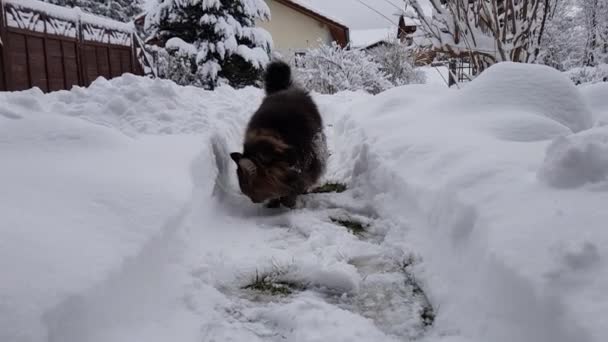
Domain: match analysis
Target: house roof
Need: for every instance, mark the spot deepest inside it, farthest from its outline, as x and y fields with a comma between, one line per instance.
x=339, y=30
x=318, y=12
x=365, y=38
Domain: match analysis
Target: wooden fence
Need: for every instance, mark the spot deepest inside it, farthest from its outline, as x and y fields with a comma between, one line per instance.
x=55, y=48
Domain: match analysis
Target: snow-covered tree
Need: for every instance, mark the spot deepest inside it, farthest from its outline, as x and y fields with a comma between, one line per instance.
x=563, y=42
x=396, y=59
x=329, y=69
x=594, y=15
x=486, y=31
x=212, y=40
x=122, y=10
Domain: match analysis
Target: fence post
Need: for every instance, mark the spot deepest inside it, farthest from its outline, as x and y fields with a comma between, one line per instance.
x=452, y=69
x=44, y=19
x=4, y=60
x=80, y=61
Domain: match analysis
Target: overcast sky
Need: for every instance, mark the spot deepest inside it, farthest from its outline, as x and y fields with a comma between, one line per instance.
x=357, y=15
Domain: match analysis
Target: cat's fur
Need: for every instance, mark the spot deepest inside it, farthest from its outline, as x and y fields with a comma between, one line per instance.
x=284, y=142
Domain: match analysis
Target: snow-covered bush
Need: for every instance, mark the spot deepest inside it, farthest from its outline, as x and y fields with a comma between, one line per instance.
x=211, y=41
x=396, y=59
x=584, y=75
x=329, y=69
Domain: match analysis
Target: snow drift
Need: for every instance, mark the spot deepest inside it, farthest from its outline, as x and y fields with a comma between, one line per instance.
x=576, y=160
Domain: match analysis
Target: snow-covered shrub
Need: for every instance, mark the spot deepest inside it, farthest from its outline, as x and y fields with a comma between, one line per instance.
x=210, y=41
x=181, y=62
x=329, y=69
x=396, y=59
x=584, y=75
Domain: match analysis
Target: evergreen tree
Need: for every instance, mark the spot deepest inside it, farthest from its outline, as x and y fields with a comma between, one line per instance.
x=212, y=41
x=121, y=10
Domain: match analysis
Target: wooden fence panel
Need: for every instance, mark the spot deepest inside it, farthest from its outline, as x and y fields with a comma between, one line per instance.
x=17, y=62
x=53, y=53
x=115, y=68
x=37, y=63
x=3, y=80
x=54, y=64
x=125, y=61
x=103, y=62
x=90, y=64
x=70, y=64
x=2, y=77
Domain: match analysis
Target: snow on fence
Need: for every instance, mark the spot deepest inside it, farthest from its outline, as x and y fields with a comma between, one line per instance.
x=54, y=48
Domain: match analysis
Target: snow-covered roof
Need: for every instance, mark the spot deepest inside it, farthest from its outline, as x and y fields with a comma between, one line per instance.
x=70, y=14
x=307, y=4
x=365, y=38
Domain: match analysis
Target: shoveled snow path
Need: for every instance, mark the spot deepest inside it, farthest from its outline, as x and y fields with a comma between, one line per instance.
x=188, y=283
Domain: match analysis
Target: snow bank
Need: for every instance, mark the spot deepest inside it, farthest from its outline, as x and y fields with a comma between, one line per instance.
x=577, y=159
x=535, y=88
x=595, y=94
x=504, y=257
x=89, y=177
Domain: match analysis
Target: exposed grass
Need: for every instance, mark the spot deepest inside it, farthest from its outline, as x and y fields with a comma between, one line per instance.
x=355, y=227
x=271, y=284
x=329, y=187
x=427, y=314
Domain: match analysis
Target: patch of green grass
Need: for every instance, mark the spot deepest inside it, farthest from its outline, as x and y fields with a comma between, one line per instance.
x=270, y=284
x=427, y=314
x=329, y=187
x=355, y=227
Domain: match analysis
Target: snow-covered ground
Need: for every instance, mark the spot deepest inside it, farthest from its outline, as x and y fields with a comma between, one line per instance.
x=483, y=208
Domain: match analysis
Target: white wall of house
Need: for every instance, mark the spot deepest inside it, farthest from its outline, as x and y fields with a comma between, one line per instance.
x=293, y=31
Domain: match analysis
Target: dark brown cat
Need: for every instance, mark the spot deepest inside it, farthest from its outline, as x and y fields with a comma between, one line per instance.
x=284, y=152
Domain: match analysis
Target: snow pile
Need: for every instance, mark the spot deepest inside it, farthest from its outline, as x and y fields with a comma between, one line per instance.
x=87, y=181
x=578, y=159
x=537, y=89
x=595, y=94
x=504, y=257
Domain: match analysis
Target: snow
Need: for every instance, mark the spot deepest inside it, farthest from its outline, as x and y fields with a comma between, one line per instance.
x=436, y=75
x=180, y=45
x=365, y=38
x=30, y=20
x=122, y=218
x=257, y=56
x=595, y=94
x=576, y=160
x=508, y=85
x=312, y=6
